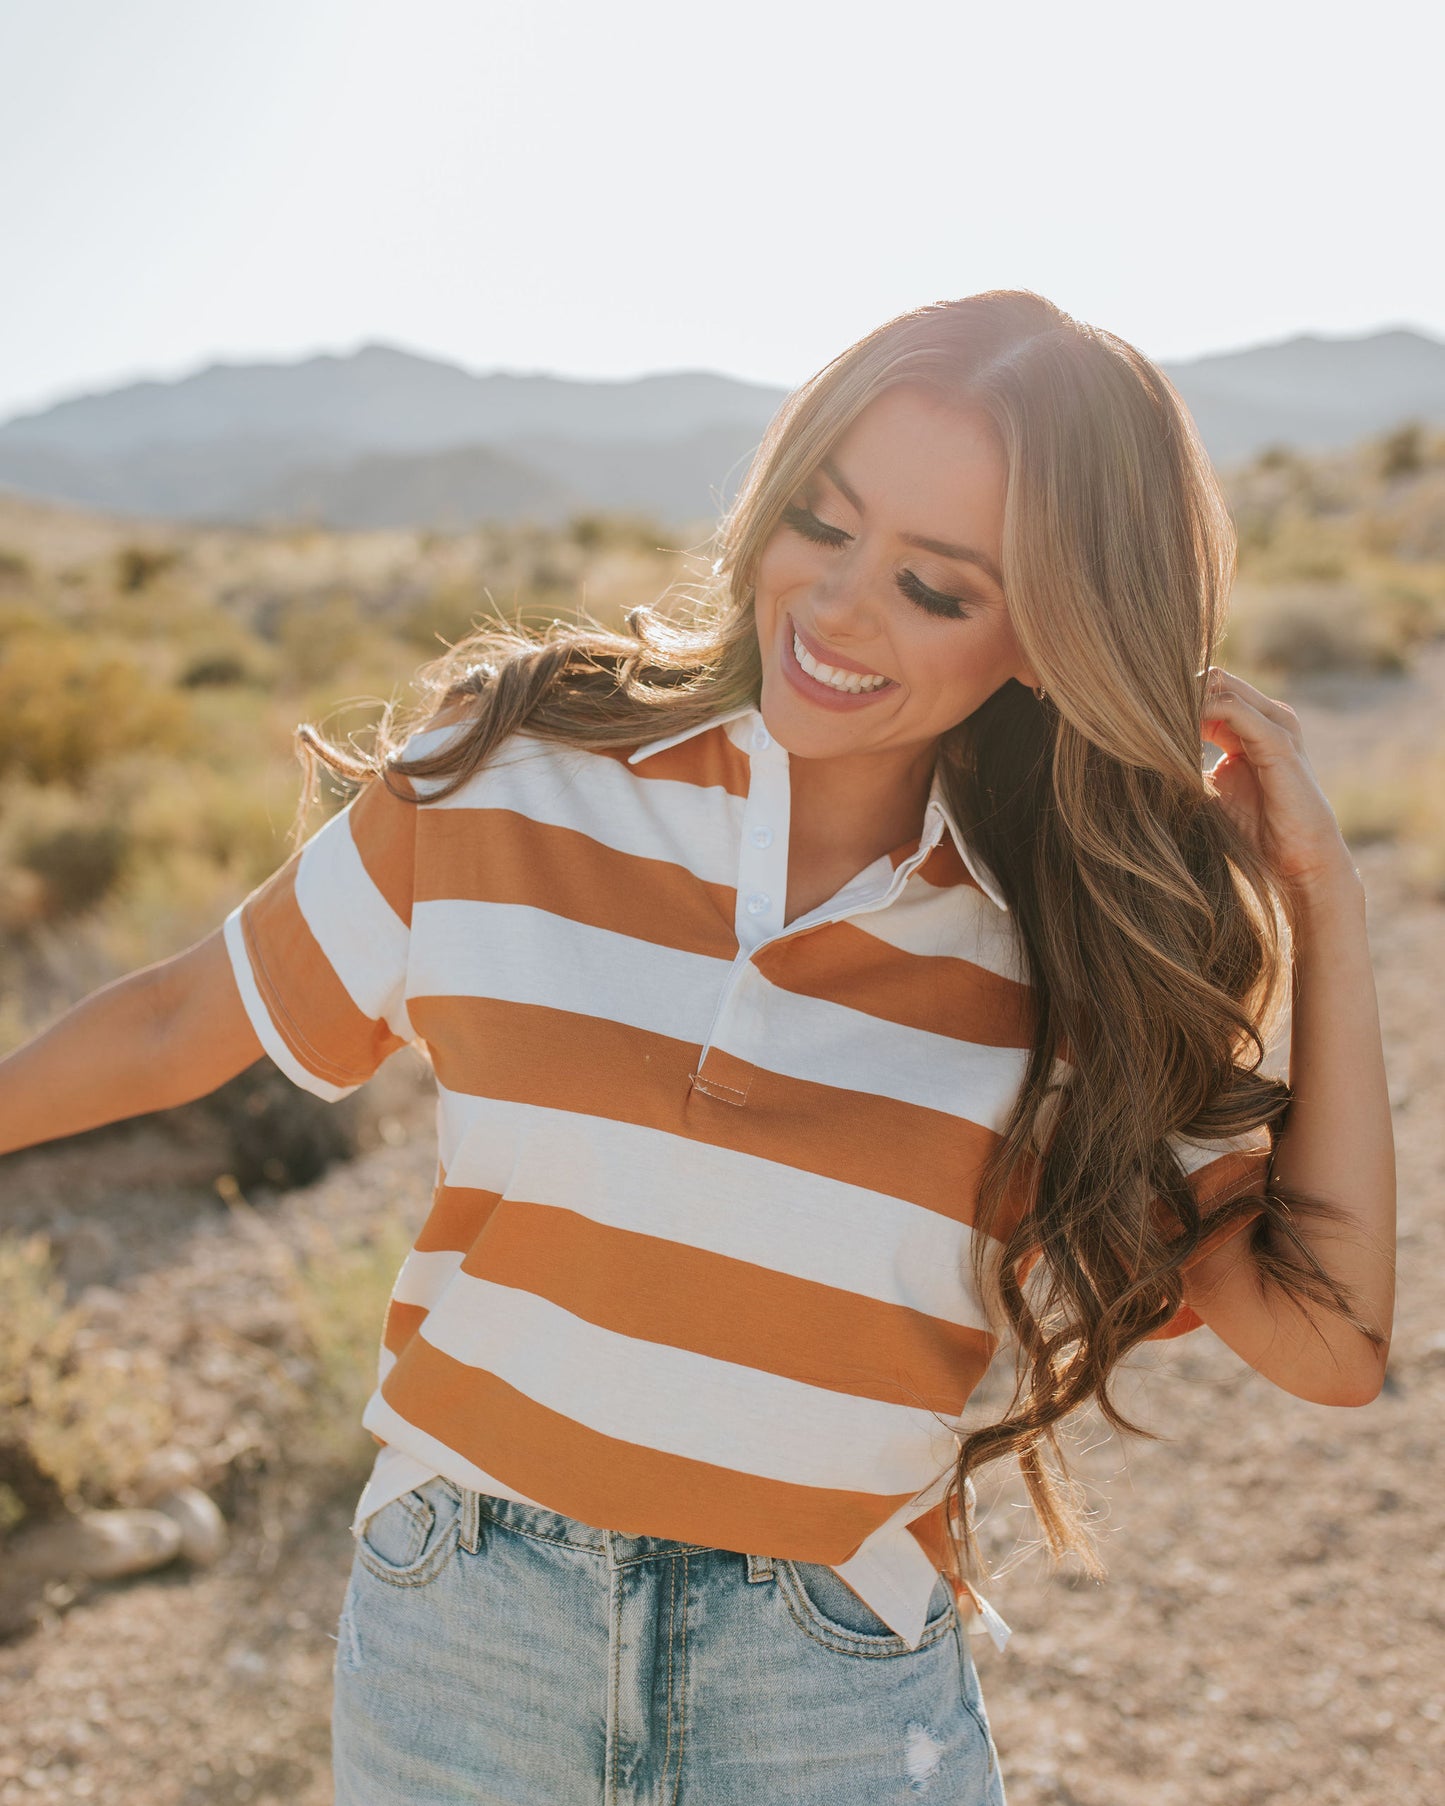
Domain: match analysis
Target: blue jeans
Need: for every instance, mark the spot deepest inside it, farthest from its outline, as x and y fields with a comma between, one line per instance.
x=499, y=1654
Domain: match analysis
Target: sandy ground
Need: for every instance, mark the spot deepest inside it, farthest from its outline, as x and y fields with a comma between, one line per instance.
x=1270, y=1630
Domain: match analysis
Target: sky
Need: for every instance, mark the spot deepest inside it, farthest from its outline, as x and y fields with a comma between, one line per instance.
x=605, y=191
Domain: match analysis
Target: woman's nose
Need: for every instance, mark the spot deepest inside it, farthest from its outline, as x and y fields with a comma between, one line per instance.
x=845, y=602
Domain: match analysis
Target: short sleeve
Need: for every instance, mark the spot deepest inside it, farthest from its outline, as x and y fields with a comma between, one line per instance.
x=320, y=949
x=1220, y=1172
x=1217, y=1174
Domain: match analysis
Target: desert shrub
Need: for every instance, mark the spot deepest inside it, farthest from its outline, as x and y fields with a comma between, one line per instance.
x=1303, y=628
x=62, y=851
x=228, y=817
x=66, y=707
x=1412, y=525
x=1276, y=457
x=317, y=638
x=215, y=669
x=441, y=617
x=280, y=1135
x=1400, y=800
x=339, y=1296
x=1302, y=548
x=1411, y=614
x=77, y=862
x=1402, y=452
x=138, y=566
x=79, y=1415
x=1370, y=810
x=615, y=532
x=15, y=567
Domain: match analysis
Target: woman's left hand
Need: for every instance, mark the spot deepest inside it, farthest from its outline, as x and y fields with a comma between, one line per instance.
x=1268, y=787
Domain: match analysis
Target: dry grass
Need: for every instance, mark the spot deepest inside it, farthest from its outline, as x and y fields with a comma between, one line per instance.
x=151, y=682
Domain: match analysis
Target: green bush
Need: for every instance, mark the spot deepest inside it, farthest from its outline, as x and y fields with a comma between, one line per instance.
x=66, y=707
x=1402, y=452
x=15, y=567
x=215, y=669
x=138, y=566
x=279, y=1134
x=81, y=1419
x=339, y=1296
x=1306, y=628
x=78, y=863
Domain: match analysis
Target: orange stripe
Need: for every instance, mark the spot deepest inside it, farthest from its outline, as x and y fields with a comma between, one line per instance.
x=709, y=759
x=325, y=1031
x=1232, y=1176
x=620, y=1485
x=458, y=1215
x=944, y=866
x=501, y=856
x=1220, y=1181
x=945, y=996
x=384, y=829
x=656, y=1290
x=402, y=1323
x=523, y=1053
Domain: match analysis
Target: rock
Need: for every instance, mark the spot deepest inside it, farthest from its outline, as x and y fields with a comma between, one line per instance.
x=166, y=1471
x=102, y=1545
x=203, y=1529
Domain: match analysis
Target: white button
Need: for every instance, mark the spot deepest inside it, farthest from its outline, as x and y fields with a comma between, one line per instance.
x=762, y=739
x=757, y=903
x=761, y=837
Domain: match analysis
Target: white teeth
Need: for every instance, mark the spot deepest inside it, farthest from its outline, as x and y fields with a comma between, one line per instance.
x=853, y=683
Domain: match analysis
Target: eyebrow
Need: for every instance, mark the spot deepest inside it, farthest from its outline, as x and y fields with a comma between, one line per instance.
x=965, y=554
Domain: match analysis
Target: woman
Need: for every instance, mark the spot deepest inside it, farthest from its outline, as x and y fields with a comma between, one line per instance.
x=823, y=996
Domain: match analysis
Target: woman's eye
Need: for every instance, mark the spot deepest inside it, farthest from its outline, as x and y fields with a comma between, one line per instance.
x=804, y=521
x=934, y=602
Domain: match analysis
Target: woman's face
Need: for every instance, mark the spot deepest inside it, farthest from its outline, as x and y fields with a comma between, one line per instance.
x=873, y=640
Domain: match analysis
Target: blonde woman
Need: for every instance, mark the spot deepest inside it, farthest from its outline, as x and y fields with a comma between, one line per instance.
x=854, y=984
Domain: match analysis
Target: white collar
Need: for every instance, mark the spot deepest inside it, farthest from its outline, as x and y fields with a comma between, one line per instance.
x=936, y=817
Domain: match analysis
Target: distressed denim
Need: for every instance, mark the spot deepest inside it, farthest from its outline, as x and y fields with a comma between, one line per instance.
x=497, y=1654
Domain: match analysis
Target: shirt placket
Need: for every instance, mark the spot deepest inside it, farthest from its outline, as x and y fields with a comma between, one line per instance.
x=762, y=889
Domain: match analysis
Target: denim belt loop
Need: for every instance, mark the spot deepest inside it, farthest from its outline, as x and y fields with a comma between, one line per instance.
x=470, y=1535
x=760, y=1567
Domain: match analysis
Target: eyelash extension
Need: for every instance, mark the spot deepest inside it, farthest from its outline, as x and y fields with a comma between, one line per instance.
x=931, y=601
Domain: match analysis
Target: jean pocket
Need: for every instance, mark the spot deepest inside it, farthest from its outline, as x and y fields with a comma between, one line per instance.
x=410, y=1540
x=831, y=1613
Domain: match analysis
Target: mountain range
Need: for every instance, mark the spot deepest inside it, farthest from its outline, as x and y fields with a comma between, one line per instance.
x=386, y=437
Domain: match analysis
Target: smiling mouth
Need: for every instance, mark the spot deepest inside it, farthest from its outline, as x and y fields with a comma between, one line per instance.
x=850, y=683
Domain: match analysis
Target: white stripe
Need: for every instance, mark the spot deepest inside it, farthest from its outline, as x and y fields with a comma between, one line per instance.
x=517, y=954
x=1195, y=1155
x=741, y=1206
x=690, y=733
x=424, y=1276
x=696, y=826
x=826, y=1043
x=682, y=1403
x=261, y=1017
x=406, y=1440
x=954, y=923
x=364, y=940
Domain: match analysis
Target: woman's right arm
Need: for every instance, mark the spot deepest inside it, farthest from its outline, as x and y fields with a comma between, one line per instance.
x=169, y=1033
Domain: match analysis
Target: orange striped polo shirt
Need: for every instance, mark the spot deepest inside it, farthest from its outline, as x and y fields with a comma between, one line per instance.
x=697, y=1263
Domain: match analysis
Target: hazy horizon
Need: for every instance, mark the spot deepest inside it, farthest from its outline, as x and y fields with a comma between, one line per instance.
x=603, y=196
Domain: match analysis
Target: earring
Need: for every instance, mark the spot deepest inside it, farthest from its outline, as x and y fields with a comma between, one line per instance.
x=1040, y=692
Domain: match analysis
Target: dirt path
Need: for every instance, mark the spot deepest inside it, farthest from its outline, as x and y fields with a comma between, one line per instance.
x=1270, y=1632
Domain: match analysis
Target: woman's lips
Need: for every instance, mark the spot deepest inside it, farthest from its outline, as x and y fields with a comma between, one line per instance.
x=834, y=659
x=823, y=695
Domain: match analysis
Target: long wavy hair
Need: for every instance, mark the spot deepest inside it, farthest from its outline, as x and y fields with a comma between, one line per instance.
x=1155, y=938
